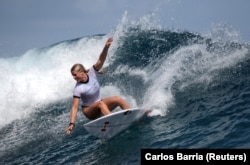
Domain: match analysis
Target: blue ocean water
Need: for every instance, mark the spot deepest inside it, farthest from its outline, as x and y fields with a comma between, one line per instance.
x=197, y=86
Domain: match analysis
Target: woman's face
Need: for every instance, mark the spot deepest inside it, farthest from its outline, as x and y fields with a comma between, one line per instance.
x=78, y=75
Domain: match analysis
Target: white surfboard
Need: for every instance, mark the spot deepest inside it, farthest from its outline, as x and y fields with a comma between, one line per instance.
x=110, y=125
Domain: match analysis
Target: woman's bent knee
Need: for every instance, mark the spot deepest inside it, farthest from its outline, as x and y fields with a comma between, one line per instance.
x=118, y=99
x=101, y=104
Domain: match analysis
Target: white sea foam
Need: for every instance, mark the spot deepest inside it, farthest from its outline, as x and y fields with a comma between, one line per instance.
x=42, y=76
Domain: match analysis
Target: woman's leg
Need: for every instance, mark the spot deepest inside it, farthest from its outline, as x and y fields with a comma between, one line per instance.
x=115, y=101
x=105, y=106
x=96, y=110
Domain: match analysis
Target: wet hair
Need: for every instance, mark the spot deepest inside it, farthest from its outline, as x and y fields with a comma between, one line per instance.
x=78, y=68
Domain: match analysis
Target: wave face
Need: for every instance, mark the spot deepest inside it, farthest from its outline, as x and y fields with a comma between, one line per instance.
x=197, y=86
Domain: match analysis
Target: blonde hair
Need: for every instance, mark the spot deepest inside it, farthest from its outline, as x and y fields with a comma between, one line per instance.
x=80, y=68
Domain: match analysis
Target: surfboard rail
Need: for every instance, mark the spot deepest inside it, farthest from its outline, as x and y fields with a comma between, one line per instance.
x=110, y=125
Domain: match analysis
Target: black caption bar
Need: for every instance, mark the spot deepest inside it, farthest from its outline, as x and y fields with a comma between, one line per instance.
x=195, y=156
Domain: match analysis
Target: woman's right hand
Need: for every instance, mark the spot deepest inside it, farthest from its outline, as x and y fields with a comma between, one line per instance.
x=108, y=42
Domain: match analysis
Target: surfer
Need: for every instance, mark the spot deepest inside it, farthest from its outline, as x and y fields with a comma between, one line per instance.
x=87, y=90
